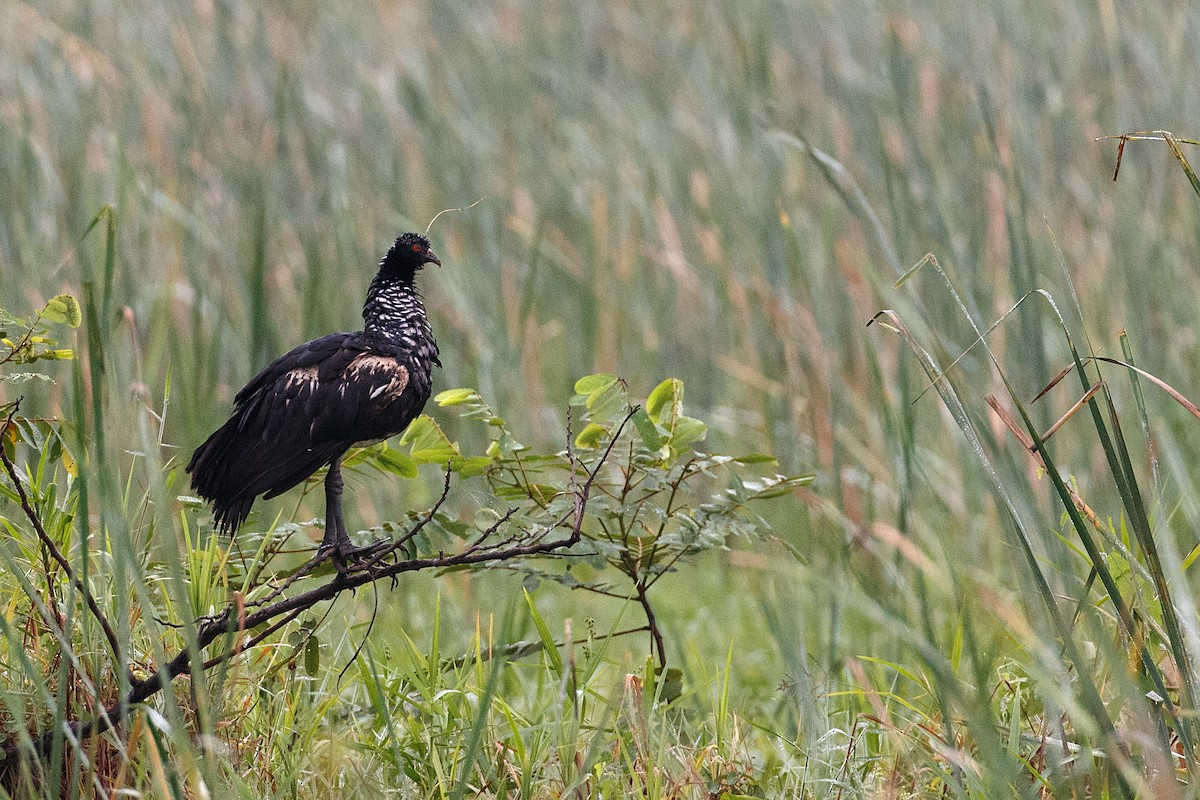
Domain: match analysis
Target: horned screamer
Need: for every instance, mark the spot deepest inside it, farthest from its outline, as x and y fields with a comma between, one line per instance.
x=311, y=405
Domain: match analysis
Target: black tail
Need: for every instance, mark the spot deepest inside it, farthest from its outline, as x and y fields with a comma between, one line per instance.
x=216, y=476
x=237, y=464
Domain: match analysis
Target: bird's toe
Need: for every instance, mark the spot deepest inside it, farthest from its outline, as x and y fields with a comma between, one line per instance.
x=345, y=554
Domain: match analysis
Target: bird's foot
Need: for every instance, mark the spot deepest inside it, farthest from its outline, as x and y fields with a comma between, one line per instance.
x=348, y=556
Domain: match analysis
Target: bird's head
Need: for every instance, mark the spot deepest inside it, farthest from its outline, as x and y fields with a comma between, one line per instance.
x=408, y=254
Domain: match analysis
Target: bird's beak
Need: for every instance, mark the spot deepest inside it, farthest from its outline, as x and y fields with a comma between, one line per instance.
x=430, y=256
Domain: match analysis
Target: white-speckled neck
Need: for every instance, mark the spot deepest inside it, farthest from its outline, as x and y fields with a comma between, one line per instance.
x=395, y=310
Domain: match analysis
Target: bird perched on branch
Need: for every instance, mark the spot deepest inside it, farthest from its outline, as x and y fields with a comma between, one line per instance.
x=311, y=405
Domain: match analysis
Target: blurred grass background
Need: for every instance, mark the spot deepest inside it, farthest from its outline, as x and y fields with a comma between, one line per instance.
x=652, y=207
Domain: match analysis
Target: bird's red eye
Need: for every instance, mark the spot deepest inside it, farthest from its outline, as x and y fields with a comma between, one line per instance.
x=416, y=248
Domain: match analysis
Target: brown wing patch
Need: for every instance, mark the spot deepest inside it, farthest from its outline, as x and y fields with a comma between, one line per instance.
x=300, y=378
x=388, y=376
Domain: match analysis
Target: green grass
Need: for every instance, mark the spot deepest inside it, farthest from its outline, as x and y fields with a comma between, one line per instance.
x=722, y=192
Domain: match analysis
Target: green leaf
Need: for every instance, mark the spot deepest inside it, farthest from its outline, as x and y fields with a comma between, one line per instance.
x=671, y=687
x=470, y=466
x=687, y=430
x=591, y=435
x=506, y=445
x=436, y=455
x=646, y=428
x=59, y=354
x=454, y=397
x=549, y=647
x=396, y=463
x=485, y=519
x=777, y=486
x=425, y=434
x=538, y=492
x=63, y=308
x=668, y=394
x=591, y=384
x=756, y=458
x=604, y=405
x=312, y=656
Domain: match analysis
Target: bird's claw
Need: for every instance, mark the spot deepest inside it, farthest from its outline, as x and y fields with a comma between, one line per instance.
x=347, y=556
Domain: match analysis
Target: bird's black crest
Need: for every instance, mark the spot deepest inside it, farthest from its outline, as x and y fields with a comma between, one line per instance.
x=407, y=254
x=406, y=241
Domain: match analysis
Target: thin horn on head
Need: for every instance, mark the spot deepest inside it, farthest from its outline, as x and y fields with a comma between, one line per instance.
x=444, y=210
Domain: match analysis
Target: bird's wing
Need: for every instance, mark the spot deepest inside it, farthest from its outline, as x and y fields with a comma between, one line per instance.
x=338, y=388
x=303, y=410
x=302, y=357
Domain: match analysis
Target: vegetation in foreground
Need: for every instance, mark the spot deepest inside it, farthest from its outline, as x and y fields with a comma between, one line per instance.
x=626, y=503
x=722, y=194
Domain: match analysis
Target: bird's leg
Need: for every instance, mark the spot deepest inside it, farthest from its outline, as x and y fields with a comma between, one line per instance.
x=336, y=539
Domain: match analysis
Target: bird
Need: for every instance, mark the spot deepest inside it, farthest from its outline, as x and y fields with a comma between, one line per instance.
x=311, y=405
